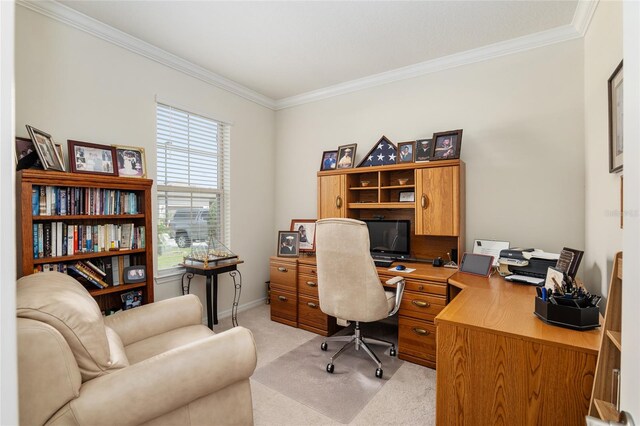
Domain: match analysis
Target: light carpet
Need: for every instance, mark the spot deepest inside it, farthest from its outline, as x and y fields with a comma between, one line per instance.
x=301, y=374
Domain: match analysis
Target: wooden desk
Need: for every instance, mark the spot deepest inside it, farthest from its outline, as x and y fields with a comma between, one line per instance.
x=211, y=273
x=499, y=364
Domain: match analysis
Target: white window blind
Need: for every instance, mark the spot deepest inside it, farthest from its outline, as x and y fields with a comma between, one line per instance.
x=192, y=183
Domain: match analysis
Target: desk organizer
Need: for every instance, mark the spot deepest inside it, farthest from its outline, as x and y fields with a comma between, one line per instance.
x=567, y=314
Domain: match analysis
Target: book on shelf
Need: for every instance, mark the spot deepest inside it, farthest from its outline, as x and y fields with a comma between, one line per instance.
x=80, y=272
x=101, y=272
x=62, y=201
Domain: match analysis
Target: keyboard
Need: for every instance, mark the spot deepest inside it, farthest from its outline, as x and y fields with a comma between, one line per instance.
x=383, y=263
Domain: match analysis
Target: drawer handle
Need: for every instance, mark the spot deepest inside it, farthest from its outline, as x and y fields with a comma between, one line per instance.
x=420, y=331
x=421, y=303
x=338, y=202
x=283, y=269
x=311, y=284
x=282, y=298
x=423, y=201
x=421, y=287
x=312, y=305
x=313, y=272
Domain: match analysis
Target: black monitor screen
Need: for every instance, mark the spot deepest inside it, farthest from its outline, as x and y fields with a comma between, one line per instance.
x=389, y=237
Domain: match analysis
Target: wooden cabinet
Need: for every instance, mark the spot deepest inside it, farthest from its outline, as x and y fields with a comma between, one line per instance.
x=332, y=196
x=436, y=211
x=284, y=294
x=91, y=205
x=437, y=194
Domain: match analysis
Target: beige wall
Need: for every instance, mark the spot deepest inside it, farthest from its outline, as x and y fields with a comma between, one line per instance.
x=522, y=117
x=603, y=236
x=76, y=86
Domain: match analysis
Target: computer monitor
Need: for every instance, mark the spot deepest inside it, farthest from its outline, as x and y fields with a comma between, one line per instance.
x=389, y=238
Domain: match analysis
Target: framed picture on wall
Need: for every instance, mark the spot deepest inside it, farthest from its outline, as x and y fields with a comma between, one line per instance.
x=288, y=243
x=307, y=230
x=615, y=120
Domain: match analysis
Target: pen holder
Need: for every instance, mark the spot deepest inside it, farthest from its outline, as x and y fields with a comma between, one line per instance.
x=568, y=314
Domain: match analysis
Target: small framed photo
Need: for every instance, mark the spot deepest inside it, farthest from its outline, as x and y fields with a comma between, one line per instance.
x=407, y=197
x=46, y=149
x=288, y=243
x=131, y=299
x=85, y=157
x=329, y=160
x=307, y=230
x=131, y=161
x=446, y=145
x=406, y=152
x=615, y=120
x=424, y=149
x=134, y=274
x=346, y=156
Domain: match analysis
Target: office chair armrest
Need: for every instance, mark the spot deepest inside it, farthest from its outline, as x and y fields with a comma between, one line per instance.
x=399, y=283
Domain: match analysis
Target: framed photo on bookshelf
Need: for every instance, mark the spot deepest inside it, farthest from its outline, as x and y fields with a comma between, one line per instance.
x=46, y=149
x=85, y=157
x=131, y=161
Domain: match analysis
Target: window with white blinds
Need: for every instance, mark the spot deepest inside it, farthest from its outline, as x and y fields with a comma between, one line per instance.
x=192, y=183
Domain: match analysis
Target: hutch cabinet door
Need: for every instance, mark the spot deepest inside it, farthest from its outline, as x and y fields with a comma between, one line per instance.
x=332, y=196
x=437, y=201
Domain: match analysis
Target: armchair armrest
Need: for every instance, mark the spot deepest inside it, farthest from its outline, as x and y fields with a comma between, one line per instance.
x=149, y=320
x=399, y=283
x=159, y=385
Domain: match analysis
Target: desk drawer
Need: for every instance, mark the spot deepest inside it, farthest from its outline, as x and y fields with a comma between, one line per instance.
x=308, y=285
x=419, y=286
x=421, y=306
x=284, y=307
x=310, y=313
x=417, y=338
x=308, y=269
x=283, y=275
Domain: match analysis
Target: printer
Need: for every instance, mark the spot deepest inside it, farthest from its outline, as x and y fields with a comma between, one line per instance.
x=528, y=262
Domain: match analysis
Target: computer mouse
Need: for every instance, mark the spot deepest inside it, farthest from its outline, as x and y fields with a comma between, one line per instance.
x=400, y=268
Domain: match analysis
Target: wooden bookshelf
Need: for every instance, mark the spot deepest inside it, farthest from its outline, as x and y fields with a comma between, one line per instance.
x=605, y=395
x=108, y=297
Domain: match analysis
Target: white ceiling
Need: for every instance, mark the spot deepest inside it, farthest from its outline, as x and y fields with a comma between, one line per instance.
x=282, y=49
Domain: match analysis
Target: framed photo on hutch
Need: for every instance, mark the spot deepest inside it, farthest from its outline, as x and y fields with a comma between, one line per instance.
x=446, y=145
x=615, y=120
x=346, y=156
x=424, y=149
x=406, y=151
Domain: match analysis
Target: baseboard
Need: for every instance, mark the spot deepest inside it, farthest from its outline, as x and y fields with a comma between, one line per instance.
x=244, y=307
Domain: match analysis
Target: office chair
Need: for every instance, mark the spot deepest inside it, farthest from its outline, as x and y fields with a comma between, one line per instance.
x=348, y=284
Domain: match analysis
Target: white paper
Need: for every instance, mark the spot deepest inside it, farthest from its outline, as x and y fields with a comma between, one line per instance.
x=406, y=271
x=490, y=248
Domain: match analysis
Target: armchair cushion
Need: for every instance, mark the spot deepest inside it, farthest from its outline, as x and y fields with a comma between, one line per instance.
x=60, y=301
x=147, y=348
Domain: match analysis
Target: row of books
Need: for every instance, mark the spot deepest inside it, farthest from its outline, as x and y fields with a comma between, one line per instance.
x=101, y=272
x=62, y=201
x=55, y=239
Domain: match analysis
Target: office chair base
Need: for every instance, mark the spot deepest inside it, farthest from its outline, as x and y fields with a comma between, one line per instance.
x=360, y=342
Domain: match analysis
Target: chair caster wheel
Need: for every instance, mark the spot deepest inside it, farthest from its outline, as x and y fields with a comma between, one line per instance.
x=324, y=346
x=378, y=373
x=392, y=352
x=330, y=368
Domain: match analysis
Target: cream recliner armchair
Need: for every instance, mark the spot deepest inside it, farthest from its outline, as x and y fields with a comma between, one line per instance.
x=156, y=364
x=348, y=284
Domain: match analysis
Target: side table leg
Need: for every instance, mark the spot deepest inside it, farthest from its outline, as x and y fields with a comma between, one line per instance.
x=186, y=288
x=237, y=285
x=215, y=298
x=209, y=311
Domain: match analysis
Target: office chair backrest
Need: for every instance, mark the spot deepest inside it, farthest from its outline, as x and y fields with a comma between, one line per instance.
x=348, y=283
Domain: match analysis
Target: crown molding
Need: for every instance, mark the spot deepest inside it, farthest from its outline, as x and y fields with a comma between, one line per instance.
x=71, y=17
x=583, y=15
x=520, y=44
